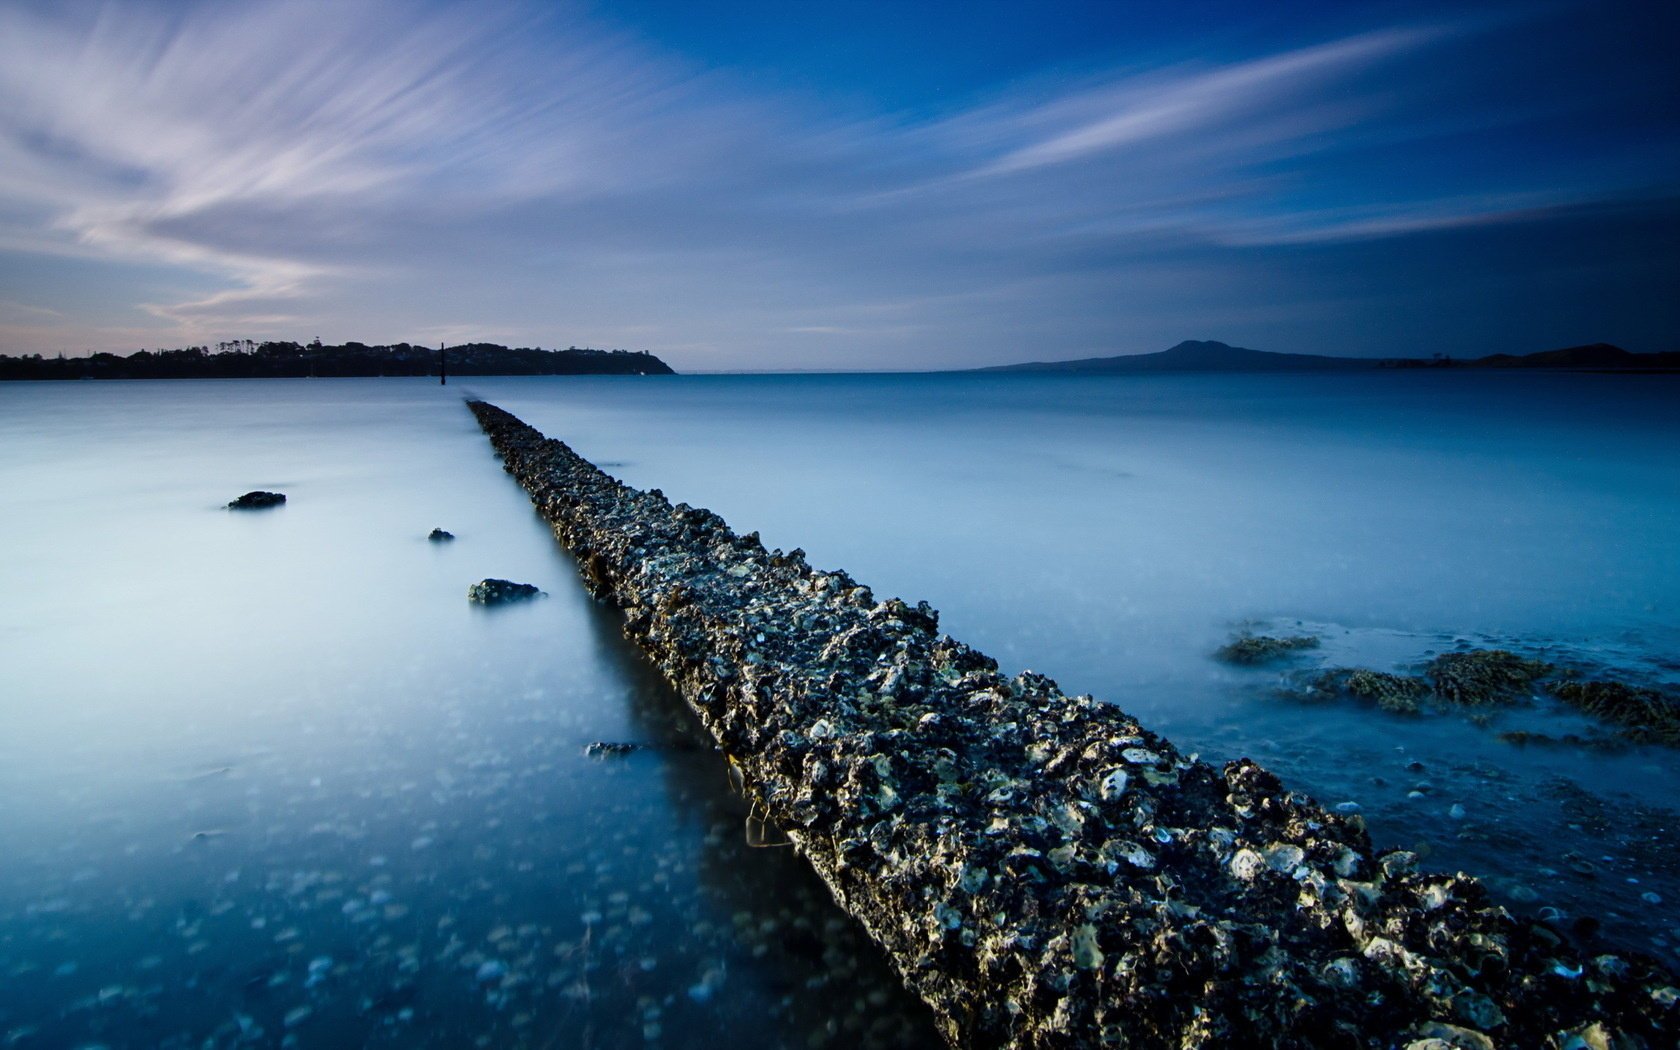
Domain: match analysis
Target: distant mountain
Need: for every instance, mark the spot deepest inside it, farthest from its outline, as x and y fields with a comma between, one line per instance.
x=1194, y=355
x=1594, y=357
x=1208, y=356
x=284, y=360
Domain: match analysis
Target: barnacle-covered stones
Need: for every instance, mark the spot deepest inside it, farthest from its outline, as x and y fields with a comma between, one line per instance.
x=1043, y=871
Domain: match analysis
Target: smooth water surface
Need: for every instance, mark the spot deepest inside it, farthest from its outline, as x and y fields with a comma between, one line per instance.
x=267, y=777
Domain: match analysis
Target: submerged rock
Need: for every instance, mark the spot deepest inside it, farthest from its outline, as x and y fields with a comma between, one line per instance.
x=1398, y=694
x=257, y=500
x=609, y=749
x=440, y=536
x=1643, y=715
x=1262, y=649
x=1482, y=680
x=499, y=592
x=1484, y=677
x=1042, y=870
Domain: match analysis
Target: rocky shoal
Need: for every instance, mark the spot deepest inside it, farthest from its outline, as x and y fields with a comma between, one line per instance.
x=1041, y=869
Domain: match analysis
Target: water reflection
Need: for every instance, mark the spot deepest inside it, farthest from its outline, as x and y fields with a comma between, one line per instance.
x=310, y=796
x=800, y=960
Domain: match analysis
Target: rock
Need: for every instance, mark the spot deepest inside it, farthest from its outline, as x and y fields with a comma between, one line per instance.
x=1042, y=870
x=1439, y=1036
x=1396, y=694
x=1643, y=715
x=440, y=536
x=606, y=749
x=500, y=592
x=257, y=500
x=1262, y=649
x=1484, y=677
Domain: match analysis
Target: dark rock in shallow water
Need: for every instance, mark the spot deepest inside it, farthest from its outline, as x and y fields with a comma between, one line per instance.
x=606, y=749
x=1397, y=694
x=499, y=592
x=1261, y=649
x=1642, y=715
x=440, y=536
x=1484, y=677
x=257, y=500
x=1526, y=738
x=1479, y=678
x=1043, y=871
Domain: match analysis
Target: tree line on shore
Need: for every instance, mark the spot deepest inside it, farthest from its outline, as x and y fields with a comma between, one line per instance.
x=246, y=359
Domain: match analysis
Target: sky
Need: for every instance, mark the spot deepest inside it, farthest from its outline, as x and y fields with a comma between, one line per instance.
x=842, y=185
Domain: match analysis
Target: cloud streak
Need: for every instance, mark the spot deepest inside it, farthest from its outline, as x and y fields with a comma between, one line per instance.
x=131, y=125
x=1177, y=105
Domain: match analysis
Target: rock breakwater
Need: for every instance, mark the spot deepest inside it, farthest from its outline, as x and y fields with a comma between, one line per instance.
x=1041, y=869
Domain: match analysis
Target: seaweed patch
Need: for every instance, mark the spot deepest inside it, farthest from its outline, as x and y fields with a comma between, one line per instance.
x=1263, y=649
x=1484, y=677
x=1642, y=714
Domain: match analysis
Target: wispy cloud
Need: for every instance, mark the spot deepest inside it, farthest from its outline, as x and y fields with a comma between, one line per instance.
x=23, y=312
x=1377, y=221
x=456, y=169
x=135, y=125
x=1148, y=109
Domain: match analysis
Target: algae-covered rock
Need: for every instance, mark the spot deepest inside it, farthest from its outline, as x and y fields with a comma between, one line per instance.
x=1484, y=677
x=1482, y=680
x=1644, y=715
x=1262, y=649
x=500, y=592
x=1397, y=694
x=1391, y=692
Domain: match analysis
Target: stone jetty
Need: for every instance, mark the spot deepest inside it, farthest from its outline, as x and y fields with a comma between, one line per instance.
x=1041, y=869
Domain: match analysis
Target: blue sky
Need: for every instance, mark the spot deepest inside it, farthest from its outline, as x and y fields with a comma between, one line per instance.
x=842, y=185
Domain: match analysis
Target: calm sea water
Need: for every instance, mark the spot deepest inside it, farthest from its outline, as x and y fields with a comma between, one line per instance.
x=268, y=778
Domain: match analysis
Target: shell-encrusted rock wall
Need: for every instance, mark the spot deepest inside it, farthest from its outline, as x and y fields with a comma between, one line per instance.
x=1042, y=870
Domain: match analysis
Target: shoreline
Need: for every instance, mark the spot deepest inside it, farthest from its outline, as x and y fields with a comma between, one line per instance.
x=1042, y=870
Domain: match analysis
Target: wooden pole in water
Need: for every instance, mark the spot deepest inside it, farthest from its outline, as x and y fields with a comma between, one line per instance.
x=443, y=366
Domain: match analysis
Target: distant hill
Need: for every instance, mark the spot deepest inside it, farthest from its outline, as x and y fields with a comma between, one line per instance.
x=1194, y=355
x=285, y=360
x=1209, y=356
x=1594, y=357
